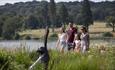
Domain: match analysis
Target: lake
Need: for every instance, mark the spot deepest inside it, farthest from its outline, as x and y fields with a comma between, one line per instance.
x=34, y=44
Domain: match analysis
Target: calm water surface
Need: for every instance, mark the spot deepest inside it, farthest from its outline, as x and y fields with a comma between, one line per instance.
x=34, y=44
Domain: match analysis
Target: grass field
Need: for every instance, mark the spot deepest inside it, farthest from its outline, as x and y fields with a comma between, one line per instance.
x=21, y=59
x=97, y=28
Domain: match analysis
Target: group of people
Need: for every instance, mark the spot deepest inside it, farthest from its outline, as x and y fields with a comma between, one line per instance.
x=72, y=39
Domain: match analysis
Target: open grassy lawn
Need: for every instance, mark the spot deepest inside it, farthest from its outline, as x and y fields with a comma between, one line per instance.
x=98, y=27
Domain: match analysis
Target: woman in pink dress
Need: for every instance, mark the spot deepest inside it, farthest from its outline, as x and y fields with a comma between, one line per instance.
x=77, y=43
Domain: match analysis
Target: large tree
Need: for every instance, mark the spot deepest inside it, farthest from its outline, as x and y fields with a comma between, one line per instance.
x=52, y=13
x=63, y=13
x=86, y=12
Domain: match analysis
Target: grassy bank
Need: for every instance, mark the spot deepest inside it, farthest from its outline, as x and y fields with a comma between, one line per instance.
x=21, y=59
x=95, y=30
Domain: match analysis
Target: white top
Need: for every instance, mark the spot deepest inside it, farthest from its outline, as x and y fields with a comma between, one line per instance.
x=62, y=37
x=84, y=39
x=77, y=43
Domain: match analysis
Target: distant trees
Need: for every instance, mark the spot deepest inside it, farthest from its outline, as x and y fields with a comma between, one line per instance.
x=63, y=14
x=10, y=27
x=111, y=22
x=45, y=13
x=35, y=14
x=31, y=22
x=52, y=14
x=1, y=24
x=86, y=14
x=100, y=10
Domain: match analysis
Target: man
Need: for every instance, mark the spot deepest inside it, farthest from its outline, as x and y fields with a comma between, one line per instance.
x=70, y=36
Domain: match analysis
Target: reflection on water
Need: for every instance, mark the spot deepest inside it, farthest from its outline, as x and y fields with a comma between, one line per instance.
x=34, y=44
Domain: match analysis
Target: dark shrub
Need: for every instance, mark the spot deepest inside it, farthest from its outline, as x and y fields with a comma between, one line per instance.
x=108, y=25
x=17, y=36
x=54, y=35
x=5, y=60
x=27, y=37
x=107, y=34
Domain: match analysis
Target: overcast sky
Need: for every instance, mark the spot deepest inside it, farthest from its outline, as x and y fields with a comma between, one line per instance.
x=2, y=2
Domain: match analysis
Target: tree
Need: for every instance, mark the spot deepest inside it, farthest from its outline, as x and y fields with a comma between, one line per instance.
x=63, y=13
x=10, y=27
x=87, y=18
x=52, y=12
x=44, y=13
x=111, y=22
x=31, y=22
x=1, y=24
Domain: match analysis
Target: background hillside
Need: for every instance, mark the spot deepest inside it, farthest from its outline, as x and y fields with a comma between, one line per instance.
x=21, y=16
x=100, y=9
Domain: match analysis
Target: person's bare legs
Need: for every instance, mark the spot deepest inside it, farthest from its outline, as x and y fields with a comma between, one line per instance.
x=62, y=50
x=84, y=49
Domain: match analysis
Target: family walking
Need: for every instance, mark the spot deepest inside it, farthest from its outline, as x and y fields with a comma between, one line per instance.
x=72, y=39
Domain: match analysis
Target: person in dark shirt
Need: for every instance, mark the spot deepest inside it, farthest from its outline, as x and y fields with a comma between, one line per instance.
x=70, y=36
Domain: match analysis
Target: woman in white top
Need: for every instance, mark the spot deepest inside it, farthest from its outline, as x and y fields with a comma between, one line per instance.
x=62, y=37
x=84, y=39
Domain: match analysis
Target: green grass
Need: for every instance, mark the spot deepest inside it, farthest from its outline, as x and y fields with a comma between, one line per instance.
x=21, y=59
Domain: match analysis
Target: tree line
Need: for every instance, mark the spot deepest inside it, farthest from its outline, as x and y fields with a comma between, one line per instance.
x=38, y=14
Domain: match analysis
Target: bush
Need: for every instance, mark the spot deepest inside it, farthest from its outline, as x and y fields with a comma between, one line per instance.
x=27, y=37
x=17, y=36
x=1, y=38
x=107, y=34
x=54, y=35
x=108, y=25
x=5, y=60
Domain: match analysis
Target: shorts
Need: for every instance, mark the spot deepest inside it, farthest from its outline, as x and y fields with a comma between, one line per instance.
x=70, y=46
x=63, y=44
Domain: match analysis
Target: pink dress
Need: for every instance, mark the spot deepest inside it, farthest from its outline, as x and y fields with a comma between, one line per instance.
x=77, y=45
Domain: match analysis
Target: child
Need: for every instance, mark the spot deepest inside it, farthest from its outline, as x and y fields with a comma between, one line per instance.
x=77, y=43
x=62, y=37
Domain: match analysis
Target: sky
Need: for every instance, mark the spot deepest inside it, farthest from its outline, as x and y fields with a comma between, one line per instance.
x=2, y=2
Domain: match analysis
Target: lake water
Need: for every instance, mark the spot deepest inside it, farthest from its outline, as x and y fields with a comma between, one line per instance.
x=34, y=44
